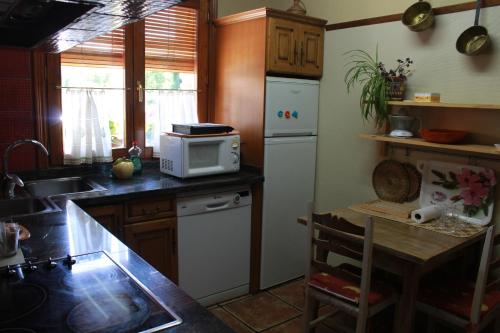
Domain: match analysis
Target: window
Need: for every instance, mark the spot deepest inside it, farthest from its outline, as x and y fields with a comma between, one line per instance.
x=130, y=84
x=170, y=72
x=93, y=99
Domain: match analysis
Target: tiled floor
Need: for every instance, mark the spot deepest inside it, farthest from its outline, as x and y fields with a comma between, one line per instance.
x=277, y=310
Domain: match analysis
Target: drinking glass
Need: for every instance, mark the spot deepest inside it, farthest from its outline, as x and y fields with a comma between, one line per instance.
x=9, y=239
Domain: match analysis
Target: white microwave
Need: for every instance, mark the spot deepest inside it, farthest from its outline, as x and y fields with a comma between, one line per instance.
x=187, y=156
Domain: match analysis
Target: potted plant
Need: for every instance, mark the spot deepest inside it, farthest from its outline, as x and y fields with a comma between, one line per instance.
x=376, y=83
x=396, y=78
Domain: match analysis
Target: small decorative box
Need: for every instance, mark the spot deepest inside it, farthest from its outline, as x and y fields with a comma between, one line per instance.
x=427, y=97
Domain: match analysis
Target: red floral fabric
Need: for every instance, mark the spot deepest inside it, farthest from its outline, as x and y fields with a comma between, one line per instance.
x=346, y=286
x=456, y=297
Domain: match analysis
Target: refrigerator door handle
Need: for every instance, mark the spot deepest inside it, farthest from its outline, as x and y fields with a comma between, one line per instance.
x=292, y=134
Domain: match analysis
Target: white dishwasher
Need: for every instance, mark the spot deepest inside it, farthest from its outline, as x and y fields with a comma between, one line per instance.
x=214, y=245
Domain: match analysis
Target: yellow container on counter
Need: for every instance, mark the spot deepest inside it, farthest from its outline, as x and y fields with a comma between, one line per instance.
x=427, y=97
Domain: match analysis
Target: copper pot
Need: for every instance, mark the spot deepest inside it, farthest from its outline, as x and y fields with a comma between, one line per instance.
x=419, y=16
x=475, y=39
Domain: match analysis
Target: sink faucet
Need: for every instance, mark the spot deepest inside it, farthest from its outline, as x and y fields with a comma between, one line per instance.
x=11, y=180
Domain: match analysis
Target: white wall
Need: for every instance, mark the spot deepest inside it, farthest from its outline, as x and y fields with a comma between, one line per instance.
x=336, y=11
x=345, y=162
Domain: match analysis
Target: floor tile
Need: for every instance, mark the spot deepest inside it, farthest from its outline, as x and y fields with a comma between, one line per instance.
x=292, y=293
x=262, y=311
x=295, y=326
x=234, y=300
x=230, y=320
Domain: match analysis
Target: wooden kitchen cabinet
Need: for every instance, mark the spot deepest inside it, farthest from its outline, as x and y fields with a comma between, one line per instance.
x=156, y=242
x=148, y=226
x=311, y=48
x=283, y=45
x=110, y=217
x=294, y=48
x=149, y=208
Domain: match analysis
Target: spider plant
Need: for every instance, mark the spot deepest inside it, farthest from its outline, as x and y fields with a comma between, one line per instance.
x=365, y=71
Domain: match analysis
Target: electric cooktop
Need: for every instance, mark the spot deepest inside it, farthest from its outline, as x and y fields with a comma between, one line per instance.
x=85, y=293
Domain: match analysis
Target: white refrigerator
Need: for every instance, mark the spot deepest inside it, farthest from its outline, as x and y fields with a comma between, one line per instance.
x=291, y=115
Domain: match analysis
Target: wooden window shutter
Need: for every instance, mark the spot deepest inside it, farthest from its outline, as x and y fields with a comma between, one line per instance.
x=170, y=40
x=103, y=51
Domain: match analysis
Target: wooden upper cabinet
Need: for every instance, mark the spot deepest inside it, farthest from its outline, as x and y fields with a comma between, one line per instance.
x=294, y=46
x=311, y=50
x=293, y=43
x=282, y=48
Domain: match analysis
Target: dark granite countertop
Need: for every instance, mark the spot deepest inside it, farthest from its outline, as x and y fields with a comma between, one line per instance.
x=150, y=182
x=72, y=231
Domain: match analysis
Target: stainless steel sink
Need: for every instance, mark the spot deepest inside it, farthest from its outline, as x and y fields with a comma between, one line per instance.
x=25, y=206
x=58, y=186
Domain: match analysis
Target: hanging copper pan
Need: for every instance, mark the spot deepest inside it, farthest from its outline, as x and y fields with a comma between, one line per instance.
x=419, y=16
x=475, y=39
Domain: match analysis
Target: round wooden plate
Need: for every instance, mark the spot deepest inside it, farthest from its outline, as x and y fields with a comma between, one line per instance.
x=415, y=181
x=391, y=181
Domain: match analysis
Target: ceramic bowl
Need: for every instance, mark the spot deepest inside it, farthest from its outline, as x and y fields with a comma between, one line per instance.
x=442, y=135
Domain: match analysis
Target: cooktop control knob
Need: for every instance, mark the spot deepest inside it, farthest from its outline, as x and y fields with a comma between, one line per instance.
x=51, y=264
x=30, y=267
x=10, y=271
x=69, y=261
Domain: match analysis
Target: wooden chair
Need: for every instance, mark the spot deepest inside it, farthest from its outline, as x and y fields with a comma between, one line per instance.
x=346, y=287
x=468, y=306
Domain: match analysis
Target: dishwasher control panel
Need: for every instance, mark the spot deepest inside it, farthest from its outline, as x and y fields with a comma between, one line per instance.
x=197, y=204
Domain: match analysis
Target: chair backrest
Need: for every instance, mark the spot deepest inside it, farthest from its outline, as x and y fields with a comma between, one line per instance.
x=493, y=282
x=487, y=276
x=332, y=234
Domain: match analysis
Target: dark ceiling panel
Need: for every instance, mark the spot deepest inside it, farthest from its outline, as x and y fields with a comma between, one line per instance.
x=57, y=25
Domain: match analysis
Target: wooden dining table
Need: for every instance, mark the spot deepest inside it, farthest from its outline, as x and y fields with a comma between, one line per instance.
x=410, y=252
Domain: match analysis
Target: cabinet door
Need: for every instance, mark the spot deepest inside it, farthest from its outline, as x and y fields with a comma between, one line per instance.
x=282, y=46
x=156, y=242
x=311, y=50
x=110, y=217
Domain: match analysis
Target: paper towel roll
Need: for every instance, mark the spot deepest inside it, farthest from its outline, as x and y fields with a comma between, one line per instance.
x=426, y=213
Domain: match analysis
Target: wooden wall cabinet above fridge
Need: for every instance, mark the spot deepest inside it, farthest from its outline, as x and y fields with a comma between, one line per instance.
x=294, y=48
x=293, y=43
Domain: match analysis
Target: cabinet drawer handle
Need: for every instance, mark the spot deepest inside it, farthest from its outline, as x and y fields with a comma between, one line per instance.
x=295, y=54
x=302, y=54
x=152, y=213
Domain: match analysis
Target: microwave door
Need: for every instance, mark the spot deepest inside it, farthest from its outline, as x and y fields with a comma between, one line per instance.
x=203, y=156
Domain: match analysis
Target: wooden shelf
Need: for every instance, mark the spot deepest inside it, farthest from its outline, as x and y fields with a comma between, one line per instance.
x=468, y=149
x=444, y=105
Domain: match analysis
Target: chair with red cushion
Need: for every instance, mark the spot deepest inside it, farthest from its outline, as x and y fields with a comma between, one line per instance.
x=468, y=306
x=346, y=287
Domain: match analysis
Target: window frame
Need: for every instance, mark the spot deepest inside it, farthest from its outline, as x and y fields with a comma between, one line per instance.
x=47, y=83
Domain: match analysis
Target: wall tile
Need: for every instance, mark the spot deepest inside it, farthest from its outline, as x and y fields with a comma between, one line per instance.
x=16, y=106
x=15, y=95
x=15, y=63
x=22, y=158
x=16, y=126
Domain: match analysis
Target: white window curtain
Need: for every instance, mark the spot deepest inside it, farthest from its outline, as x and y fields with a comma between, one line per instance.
x=167, y=107
x=86, y=133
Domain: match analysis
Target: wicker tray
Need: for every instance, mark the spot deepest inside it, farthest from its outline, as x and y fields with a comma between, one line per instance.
x=391, y=181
